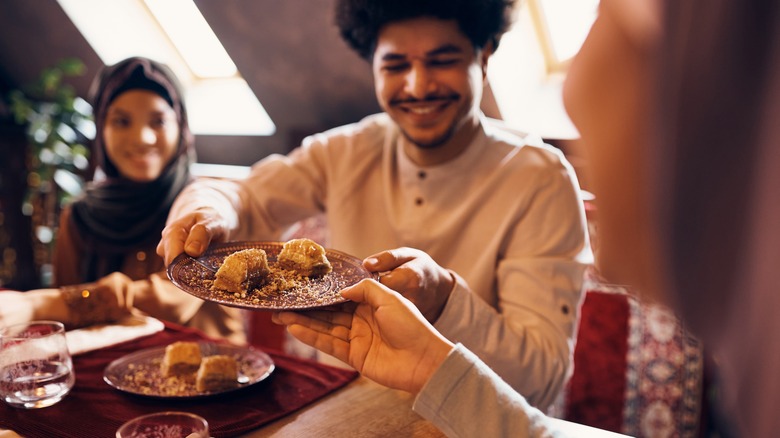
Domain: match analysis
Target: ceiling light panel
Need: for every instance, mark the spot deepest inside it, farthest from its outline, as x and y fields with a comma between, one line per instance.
x=219, y=100
x=193, y=37
x=118, y=29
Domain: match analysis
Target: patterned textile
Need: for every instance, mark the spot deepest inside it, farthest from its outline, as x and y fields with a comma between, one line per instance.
x=663, y=375
x=637, y=370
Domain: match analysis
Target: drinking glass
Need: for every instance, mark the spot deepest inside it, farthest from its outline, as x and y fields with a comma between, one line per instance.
x=170, y=424
x=36, y=369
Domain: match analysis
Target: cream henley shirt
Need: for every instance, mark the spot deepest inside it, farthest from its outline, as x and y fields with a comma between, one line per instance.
x=505, y=216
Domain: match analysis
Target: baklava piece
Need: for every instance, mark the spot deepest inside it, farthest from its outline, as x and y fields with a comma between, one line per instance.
x=181, y=358
x=304, y=256
x=217, y=373
x=242, y=270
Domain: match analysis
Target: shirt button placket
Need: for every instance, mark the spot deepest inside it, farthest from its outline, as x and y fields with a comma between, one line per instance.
x=419, y=199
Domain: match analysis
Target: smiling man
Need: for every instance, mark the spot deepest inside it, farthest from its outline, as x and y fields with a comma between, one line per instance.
x=483, y=230
x=428, y=79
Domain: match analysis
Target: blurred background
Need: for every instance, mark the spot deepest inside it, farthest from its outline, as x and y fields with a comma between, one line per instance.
x=259, y=75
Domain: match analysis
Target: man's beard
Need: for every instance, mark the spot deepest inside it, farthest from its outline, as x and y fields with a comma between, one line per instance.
x=440, y=140
x=433, y=143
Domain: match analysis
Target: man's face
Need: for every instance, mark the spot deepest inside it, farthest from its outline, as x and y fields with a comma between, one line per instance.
x=428, y=78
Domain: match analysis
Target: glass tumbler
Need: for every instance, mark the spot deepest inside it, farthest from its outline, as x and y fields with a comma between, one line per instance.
x=36, y=369
x=170, y=424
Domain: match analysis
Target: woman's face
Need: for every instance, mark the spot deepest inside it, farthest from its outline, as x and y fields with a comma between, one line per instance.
x=141, y=134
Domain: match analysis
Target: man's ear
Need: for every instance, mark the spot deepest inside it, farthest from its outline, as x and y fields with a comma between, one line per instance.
x=484, y=55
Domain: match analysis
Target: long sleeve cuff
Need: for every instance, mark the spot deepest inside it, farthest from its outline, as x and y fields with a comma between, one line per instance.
x=465, y=398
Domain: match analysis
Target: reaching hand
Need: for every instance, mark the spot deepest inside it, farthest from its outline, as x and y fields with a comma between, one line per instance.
x=192, y=233
x=416, y=276
x=385, y=337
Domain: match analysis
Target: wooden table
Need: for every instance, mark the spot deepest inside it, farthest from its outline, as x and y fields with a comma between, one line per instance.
x=366, y=409
x=362, y=408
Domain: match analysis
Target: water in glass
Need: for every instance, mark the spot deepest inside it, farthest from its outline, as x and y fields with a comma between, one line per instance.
x=36, y=369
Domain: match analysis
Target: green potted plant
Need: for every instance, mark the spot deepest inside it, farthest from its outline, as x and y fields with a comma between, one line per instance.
x=58, y=124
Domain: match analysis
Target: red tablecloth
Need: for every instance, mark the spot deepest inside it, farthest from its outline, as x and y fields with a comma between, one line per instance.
x=94, y=409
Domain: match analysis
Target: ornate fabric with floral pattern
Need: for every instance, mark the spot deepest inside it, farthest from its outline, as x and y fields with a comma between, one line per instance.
x=637, y=370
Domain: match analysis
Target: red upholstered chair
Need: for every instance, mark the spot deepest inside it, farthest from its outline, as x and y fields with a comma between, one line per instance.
x=637, y=370
x=263, y=333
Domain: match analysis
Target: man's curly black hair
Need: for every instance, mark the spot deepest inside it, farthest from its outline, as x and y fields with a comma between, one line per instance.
x=482, y=21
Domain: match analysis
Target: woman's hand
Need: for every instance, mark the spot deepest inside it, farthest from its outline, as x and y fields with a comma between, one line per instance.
x=384, y=337
x=416, y=276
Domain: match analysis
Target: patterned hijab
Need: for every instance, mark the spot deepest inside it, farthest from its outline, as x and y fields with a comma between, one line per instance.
x=116, y=215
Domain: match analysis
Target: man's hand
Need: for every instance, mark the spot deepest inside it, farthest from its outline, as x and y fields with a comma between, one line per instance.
x=191, y=233
x=416, y=276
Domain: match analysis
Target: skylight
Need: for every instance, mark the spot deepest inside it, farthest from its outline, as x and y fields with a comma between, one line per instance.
x=563, y=26
x=193, y=37
x=528, y=69
x=174, y=32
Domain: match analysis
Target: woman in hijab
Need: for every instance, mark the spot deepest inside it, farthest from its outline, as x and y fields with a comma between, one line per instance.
x=142, y=150
x=106, y=241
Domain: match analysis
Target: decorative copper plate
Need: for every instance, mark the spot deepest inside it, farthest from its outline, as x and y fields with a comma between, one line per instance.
x=139, y=373
x=195, y=276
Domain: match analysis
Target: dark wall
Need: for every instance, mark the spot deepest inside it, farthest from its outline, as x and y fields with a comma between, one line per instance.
x=290, y=53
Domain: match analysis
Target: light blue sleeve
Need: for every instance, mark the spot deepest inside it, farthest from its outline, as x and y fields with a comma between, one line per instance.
x=465, y=398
